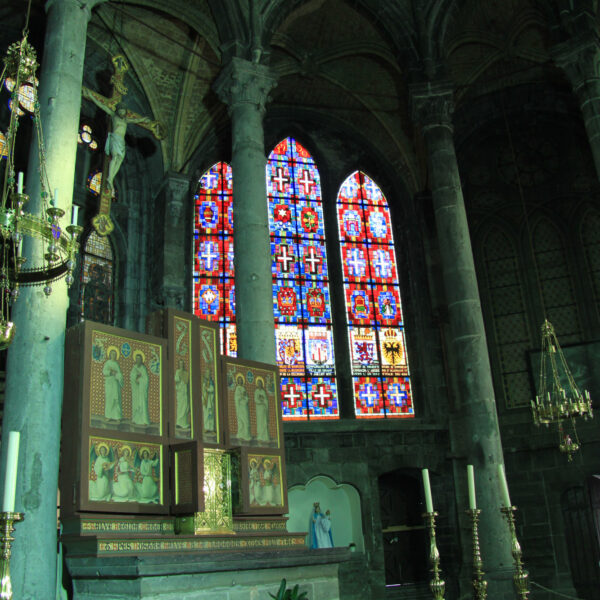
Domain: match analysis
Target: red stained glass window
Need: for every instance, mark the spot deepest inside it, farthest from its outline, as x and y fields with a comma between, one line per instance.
x=378, y=355
x=214, y=292
x=301, y=298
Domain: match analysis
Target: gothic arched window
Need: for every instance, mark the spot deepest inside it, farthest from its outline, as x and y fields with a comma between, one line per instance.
x=378, y=357
x=214, y=292
x=301, y=306
x=97, y=280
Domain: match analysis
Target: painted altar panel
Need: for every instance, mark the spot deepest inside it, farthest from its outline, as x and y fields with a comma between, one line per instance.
x=181, y=371
x=207, y=362
x=123, y=475
x=251, y=401
x=125, y=376
x=258, y=482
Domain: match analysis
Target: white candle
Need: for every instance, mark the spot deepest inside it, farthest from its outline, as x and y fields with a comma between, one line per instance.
x=504, y=486
x=54, y=201
x=75, y=214
x=427, y=487
x=20, y=182
x=10, y=477
x=471, y=480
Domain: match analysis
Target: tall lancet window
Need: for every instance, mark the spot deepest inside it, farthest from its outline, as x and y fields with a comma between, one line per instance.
x=97, y=280
x=214, y=292
x=304, y=340
x=378, y=357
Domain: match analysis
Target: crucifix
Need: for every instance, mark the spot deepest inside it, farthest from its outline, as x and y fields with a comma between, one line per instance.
x=114, y=150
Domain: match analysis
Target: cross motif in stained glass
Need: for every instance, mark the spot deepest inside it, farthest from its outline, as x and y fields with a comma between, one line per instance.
x=210, y=180
x=292, y=396
x=306, y=181
x=357, y=265
x=382, y=263
x=280, y=180
x=285, y=257
x=209, y=253
x=368, y=394
x=312, y=260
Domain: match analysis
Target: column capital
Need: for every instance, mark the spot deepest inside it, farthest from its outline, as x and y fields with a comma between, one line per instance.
x=432, y=104
x=579, y=58
x=85, y=5
x=244, y=82
x=176, y=187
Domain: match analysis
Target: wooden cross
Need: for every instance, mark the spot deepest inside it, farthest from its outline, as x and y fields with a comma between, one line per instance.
x=115, y=148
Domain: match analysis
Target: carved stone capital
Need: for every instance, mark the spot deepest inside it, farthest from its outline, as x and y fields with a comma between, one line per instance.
x=244, y=82
x=176, y=189
x=432, y=105
x=579, y=58
x=170, y=297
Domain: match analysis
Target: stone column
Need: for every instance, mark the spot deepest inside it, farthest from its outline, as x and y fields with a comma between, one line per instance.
x=34, y=379
x=474, y=424
x=244, y=87
x=580, y=60
x=171, y=241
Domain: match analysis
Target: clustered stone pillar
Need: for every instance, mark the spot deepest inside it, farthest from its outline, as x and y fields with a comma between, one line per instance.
x=244, y=86
x=34, y=379
x=579, y=59
x=476, y=423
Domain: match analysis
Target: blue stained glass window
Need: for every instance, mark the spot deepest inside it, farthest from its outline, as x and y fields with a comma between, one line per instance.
x=378, y=356
x=301, y=299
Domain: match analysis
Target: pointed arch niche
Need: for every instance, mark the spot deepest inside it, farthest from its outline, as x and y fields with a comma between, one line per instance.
x=343, y=500
x=379, y=362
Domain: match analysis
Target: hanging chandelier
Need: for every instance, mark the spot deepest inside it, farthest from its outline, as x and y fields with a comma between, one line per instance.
x=55, y=249
x=559, y=399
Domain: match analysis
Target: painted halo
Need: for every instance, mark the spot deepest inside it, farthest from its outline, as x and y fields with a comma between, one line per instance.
x=135, y=354
x=110, y=349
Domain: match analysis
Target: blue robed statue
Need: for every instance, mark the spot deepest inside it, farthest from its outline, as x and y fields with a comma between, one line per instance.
x=319, y=528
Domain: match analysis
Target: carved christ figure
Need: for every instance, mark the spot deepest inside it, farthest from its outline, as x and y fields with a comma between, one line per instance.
x=115, y=142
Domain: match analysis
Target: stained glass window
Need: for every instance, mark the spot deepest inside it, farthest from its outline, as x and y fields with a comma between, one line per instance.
x=214, y=291
x=27, y=94
x=96, y=297
x=3, y=146
x=301, y=298
x=86, y=138
x=378, y=358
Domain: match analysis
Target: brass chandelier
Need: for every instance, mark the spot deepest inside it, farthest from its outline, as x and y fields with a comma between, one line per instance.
x=559, y=399
x=54, y=248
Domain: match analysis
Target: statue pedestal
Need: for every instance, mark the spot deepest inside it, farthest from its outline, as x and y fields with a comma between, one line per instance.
x=223, y=575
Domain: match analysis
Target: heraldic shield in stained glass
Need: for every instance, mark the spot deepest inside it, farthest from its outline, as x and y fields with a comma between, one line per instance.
x=373, y=302
x=301, y=297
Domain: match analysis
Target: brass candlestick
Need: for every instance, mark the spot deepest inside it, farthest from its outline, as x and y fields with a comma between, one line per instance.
x=479, y=583
x=7, y=520
x=436, y=585
x=521, y=577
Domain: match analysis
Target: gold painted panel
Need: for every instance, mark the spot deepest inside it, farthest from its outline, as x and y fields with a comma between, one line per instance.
x=125, y=384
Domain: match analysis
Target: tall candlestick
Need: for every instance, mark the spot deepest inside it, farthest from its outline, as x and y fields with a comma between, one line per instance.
x=10, y=478
x=20, y=182
x=471, y=480
x=75, y=214
x=504, y=486
x=427, y=488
